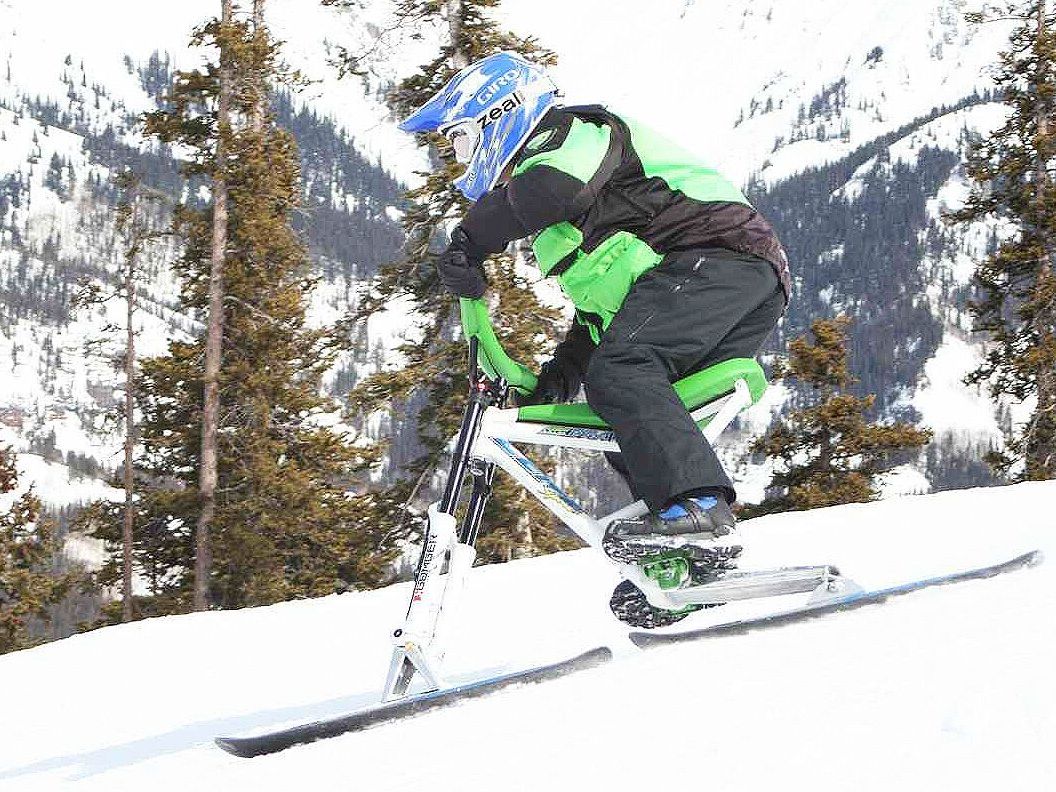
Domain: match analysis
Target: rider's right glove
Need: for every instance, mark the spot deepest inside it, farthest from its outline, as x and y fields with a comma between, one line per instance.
x=557, y=383
x=461, y=267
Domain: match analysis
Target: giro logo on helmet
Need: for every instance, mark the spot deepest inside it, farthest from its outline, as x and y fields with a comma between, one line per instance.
x=488, y=92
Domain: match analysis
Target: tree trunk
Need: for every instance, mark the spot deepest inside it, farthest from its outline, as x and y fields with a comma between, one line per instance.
x=455, y=14
x=1040, y=444
x=1041, y=173
x=130, y=428
x=259, y=106
x=1041, y=117
x=214, y=334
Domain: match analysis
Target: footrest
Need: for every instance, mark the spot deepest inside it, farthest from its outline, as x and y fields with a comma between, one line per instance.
x=735, y=586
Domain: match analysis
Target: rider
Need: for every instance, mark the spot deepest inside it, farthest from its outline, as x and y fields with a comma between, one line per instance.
x=670, y=269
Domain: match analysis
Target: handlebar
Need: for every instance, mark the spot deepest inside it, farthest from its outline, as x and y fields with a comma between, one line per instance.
x=491, y=356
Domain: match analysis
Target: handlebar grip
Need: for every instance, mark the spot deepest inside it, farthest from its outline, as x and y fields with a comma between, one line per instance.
x=493, y=358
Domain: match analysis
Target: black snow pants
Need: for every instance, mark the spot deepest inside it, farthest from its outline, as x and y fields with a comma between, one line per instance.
x=696, y=309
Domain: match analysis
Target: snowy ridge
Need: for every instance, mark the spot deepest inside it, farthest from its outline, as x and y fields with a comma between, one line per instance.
x=945, y=689
x=712, y=69
x=765, y=90
x=56, y=220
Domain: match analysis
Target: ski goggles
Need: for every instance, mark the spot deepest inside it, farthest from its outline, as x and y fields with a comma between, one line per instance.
x=465, y=137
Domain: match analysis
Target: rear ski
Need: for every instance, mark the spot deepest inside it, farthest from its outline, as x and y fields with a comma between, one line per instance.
x=823, y=602
x=407, y=707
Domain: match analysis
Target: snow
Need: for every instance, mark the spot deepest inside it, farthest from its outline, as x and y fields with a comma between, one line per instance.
x=949, y=688
x=65, y=489
x=904, y=480
x=57, y=486
x=36, y=46
x=710, y=61
x=945, y=403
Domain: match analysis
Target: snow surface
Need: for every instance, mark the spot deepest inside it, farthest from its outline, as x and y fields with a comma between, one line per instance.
x=946, y=404
x=950, y=688
x=64, y=488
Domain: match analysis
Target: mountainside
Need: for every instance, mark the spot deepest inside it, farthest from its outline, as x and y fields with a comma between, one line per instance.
x=847, y=122
x=68, y=123
x=948, y=688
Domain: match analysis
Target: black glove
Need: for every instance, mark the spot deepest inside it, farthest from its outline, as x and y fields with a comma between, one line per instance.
x=557, y=383
x=461, y=267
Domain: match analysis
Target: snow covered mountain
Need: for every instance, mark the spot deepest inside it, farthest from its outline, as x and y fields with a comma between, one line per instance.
x=948, y=688
x=69, y=106
x=878, y=95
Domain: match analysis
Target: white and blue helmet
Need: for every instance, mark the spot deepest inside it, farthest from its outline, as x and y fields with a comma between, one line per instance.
x=487, y=111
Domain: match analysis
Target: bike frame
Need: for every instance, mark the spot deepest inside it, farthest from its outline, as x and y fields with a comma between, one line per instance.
x=485, y=442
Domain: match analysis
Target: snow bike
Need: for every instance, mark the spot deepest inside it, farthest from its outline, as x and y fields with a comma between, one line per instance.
x=653, y=594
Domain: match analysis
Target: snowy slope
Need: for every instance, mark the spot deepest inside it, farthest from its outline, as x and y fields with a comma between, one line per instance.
x=763, y=88
x=54, y=228
x=946, y=689
x=34, y=44
x=728, y=77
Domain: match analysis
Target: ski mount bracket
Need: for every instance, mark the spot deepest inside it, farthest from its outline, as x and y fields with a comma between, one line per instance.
x=821, y=582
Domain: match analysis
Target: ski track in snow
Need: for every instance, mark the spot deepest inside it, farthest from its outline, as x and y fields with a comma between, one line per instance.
x=949, y=688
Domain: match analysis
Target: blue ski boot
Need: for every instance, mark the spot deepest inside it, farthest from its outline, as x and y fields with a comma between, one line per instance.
x=675, y=548
x=690, y=525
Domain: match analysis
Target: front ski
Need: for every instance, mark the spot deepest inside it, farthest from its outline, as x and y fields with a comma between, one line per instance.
x=261, y=744
x=848, y=601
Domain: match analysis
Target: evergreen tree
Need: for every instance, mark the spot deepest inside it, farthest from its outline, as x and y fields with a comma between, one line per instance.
x=27, y=547
x=1012, y=169
x=285, y=522
x=137, y=225
x=430, y=387
x=830, y=454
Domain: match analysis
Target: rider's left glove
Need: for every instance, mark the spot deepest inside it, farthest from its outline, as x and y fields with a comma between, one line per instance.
x=461, y=267
x=558, y=383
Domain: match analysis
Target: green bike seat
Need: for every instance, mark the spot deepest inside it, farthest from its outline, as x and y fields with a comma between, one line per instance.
x=696, y=391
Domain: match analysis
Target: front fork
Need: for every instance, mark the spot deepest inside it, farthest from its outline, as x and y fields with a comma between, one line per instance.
x=419, y=643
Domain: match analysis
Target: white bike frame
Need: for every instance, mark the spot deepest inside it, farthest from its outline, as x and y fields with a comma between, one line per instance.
x=419, y=643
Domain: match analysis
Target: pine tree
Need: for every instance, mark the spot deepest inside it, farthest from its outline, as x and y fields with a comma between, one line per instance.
x=135, y=219
x=27, y=547
x=1012, y=169
x=829, y=452
x=285, y=522
x=430, y=388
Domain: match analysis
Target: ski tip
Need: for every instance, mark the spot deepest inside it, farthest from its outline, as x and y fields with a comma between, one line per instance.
x=249, y=747
x=231, y=745
x=595, y=656
x=642, y=640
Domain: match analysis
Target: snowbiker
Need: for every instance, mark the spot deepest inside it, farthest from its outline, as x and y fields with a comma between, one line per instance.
x=669, y=267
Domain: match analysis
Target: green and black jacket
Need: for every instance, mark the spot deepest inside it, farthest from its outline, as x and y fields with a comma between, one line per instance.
x=608, y=199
